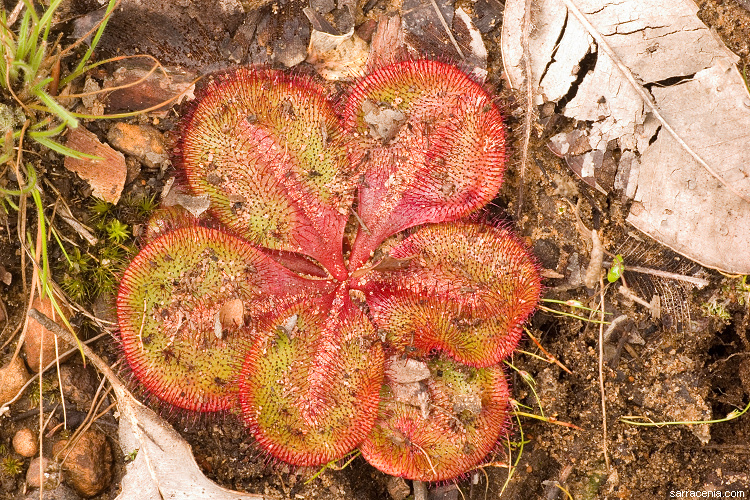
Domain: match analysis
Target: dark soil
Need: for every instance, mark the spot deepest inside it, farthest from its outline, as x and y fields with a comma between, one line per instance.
x=691, y=363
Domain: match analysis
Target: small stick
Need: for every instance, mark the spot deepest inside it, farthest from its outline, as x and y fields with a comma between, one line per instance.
x=64, y=355
x=699, y=282
x=601, y=375
x=529, y=112
x=420, y=490
x=550, y=357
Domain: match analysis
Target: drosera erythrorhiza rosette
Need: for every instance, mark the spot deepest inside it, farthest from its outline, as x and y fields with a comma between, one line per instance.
x=356, y=225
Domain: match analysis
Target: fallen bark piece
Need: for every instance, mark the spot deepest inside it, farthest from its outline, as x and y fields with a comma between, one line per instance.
x=654, y=83
x=162, y=86
x=106, y=175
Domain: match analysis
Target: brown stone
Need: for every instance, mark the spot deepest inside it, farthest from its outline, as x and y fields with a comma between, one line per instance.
x=33, y=479
x=88, y=465
x=39, y=341
x=142, y=141
x=78, y=385
x=12, y=377
x=25, y=442
x=397, y=488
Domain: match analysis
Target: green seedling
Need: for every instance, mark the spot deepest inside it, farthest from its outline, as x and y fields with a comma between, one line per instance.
x=616, y=269
x=639, y=420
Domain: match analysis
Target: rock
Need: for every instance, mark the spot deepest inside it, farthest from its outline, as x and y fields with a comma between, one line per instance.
x=25, y=442
x=444, y=492
x=397, y=488
x=40, y=341
x=142, y=141
x=12, y=377
x=91, y=102
x=51, y=475
x=5, y=276
x=88, y=466
x=62, y=492
x=106, y=176
x=78, y=385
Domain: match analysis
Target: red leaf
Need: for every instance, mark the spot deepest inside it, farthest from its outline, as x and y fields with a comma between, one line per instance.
x=443, y=427
x=430, y=143
x=267, y=148
x=170, y=306
x=467, y=290
x=309, y=390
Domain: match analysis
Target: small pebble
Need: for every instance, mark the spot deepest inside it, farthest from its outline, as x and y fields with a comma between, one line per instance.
x=88, y=466
x=12, y=377
x=25, y=442
x=39, y=340
x=142, y=141
x=397, y=488
x=32, y=475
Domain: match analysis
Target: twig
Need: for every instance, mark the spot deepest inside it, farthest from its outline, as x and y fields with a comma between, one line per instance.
x=70, y=339
x=699, y=282
x=654, y=307
x=553, y=487
x=549, y=420
x=420, y=490
x=64, y=355
x=67, y=216
x=79, y=228
x=550, y=357
x=529, y=112
x=601, y=376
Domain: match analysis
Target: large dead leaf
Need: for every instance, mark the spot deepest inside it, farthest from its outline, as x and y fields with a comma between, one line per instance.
x=164, y=466
x=650, y=79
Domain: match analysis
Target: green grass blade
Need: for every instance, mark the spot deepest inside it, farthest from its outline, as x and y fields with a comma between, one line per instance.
x=64, y=150
x=80, y=68
x=46, y=20
x=30, y=9
x=52, y=132
x=56, y=108
x=24, y=41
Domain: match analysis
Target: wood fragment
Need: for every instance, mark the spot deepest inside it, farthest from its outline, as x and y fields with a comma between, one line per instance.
x=594, y=270
x=693, y=280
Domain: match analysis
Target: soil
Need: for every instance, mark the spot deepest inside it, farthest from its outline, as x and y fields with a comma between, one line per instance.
x=691, y=363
